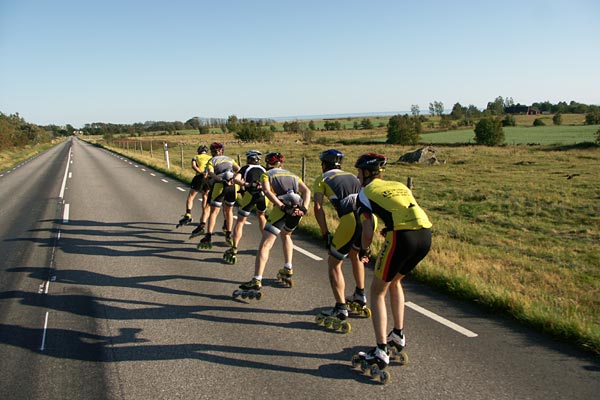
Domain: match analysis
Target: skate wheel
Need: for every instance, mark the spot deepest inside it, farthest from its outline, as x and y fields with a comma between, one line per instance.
x=244, y=295
x=336, y=324
x=251, y=295
x=374, y=370
x=402, y=358
x=384, y=377
x=319, y=319
x=364, y=365
x=327, y=322
x=356, y=360
x=346, y=328
x=367, y=312
x=258, y=296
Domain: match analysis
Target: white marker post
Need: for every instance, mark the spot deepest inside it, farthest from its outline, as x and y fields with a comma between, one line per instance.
x=167, y=156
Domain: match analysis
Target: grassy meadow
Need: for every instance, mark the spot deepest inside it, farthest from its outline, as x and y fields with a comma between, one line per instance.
x=516, y=228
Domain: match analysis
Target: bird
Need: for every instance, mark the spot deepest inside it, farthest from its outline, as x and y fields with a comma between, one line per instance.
x=571, y=176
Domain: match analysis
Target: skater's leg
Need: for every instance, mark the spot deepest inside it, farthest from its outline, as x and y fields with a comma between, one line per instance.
x=212, y=218
x=379, y=290
x=288, y=246
x=336, y=279
x=228, y=215
x=266, y=243
x=190, y=199
x=358, y=269
x=262, y=221
x=205, y=207
x=397, y=299
x=238, y=230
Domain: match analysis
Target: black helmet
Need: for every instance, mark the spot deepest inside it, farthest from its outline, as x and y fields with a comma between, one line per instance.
x=332, y=157
x=216, y=146
x=274, y=158
x=371, y=161
x=202, y=149
x=253, y=156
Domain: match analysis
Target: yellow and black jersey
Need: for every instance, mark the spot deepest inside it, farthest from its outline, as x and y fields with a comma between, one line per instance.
x=281, y=180
x=201, y=161
x=393, y=203
x=341, y=188
x=221, y=164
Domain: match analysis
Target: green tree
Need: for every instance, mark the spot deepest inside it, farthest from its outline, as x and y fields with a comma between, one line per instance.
x=232, y=123
x=509, y=120
x=489, y=132
x=538, y=122
x=557, y=119
x=404, y=130
x=366, y=124
x=414, y=110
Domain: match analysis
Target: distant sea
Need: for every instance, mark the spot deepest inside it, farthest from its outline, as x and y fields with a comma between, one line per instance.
x=337, y=116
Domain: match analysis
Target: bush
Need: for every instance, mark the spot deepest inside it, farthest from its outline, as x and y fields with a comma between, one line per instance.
x=509, y=120
x=488, y=131
x=403, y=129
x=538, y=122
x=557, y=119
x=598, y=136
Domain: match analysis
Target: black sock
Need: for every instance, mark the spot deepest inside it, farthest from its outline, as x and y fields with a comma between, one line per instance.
x=383, y=346
x=399, y=332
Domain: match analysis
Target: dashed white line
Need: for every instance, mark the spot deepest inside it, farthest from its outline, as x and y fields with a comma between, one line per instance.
x=43, y=345
x=181, y=189
x=307, y=253
x=66, y=214
x=165, y=181
x=441, y=320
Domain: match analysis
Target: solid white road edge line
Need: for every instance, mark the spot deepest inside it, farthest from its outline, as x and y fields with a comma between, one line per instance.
x=66, y=214
x=441, y=320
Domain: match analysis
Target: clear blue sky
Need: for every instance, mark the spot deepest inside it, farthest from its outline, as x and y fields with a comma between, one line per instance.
x=78, y=61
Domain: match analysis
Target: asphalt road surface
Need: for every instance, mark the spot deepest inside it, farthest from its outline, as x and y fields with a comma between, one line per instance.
x=102, y=298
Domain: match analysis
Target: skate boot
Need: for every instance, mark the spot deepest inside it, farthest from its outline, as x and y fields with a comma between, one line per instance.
x=187, y=219
x=357, y=303
x=249, y=290
x=199, y=230
x=228, y=238
x=205, y=243
x=396, y=344
x=230, y=255
x=373, y=363
x=334, y=318
x=285, y=276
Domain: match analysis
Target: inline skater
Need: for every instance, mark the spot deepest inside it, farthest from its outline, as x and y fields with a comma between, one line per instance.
x=407, y=241
x=199, y=184
x=290, y=197
x=341, y=188
x=221, y=170
x=251, y=196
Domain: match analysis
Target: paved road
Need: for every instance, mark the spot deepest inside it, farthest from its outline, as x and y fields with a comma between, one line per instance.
x=100, y=297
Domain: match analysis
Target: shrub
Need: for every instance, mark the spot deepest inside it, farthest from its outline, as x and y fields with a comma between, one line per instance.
x=488, y=131
x=538, y=122
x=509, y=120
x=557, y=119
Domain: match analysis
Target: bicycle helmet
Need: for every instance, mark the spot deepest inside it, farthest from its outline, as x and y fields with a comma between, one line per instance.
x=253, y=156
x=332, y=157
x=216, y=146
x=274, y=158
x=371, y=161
x=202, y=149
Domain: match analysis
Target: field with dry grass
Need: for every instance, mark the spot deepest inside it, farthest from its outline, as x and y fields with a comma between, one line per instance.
x=516, y=228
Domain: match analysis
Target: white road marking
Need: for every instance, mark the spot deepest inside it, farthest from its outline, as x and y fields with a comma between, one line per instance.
x=181, y=189
x=165, y=181
x=307, y=253
x=441, y=320
x=43, y=346
x=64, y=182
x=66, y=214
x=152, y=174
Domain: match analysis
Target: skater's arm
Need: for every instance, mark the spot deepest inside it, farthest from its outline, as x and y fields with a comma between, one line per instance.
x=320, y=213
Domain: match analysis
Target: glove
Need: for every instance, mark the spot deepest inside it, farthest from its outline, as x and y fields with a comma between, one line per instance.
x=289, y=210
x=364, y=255
x=303, y=209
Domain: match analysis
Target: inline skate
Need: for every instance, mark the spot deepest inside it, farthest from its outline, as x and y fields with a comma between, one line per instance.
x=334, y=318
x=205, y=243
x=373, y=363
x=230, y=255
x=285, y=277
x=228, y=238
x=357, y=304
x=186, y=220
x=199, y=230
x=249, y=290
x=396, y=344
